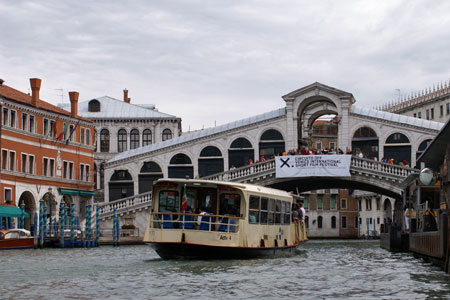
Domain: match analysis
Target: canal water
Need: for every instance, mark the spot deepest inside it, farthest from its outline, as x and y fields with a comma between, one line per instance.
x=325, y=269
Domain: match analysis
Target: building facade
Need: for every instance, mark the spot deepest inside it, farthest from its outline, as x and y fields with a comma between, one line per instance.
x=121, y=126
x=46, y=153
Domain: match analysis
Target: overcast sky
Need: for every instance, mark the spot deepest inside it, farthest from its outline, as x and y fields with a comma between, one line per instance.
x=220, y=61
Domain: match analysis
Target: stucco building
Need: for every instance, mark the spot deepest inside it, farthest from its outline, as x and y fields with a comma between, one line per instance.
x=47, y=153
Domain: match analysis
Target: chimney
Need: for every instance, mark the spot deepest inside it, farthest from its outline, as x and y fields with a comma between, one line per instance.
x=125, y=96
x=73, y=96
x=35, y=87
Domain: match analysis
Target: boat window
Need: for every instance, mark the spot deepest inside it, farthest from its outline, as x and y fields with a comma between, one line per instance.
x=12, y=235
x=283, y=207
x=253, y=215
x=287, y=213
x=230, y=204
x=264, y=207
x=168, y=201
x=277, y=211
x=271, y=209
x=207, y=202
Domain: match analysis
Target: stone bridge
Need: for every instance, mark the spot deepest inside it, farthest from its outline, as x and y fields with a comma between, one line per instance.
x=366, y=174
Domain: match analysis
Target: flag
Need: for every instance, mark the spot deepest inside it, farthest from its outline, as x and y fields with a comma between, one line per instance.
x=63, y=133
x=184, y=204
x=72, y=130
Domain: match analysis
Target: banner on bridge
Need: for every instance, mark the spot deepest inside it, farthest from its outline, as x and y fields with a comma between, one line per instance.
x=312, y=165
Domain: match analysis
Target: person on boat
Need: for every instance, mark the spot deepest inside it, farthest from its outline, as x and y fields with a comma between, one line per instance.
x=199, y=219
x=302, y=212
x=294, y=212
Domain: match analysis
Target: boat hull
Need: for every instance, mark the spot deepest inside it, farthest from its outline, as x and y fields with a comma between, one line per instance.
x=194, y=251
x=22, y=243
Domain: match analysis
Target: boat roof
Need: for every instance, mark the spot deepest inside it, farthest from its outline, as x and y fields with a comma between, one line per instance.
x=251, y=188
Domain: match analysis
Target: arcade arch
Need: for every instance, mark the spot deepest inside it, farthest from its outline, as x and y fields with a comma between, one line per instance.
x=120, y=185
x=150, y=172
x=180, y=166
x=398, y=147
x=27, y=199
x=422, y=147
x=365, y=140
x=240, y=153
x=210, y=161
x=271, y=144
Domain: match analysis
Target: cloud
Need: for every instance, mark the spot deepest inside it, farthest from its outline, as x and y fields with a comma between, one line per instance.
x=218, y=61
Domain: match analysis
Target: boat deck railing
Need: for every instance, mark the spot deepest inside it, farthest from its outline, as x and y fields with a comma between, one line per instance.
x=190, y=221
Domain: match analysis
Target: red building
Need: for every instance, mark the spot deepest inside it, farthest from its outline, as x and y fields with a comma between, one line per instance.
x=46, y=153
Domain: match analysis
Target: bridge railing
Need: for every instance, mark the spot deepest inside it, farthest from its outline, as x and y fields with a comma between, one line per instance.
x=268, y=166
x=125, y=204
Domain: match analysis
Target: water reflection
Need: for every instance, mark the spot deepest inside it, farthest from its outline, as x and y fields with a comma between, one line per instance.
x=319, y=270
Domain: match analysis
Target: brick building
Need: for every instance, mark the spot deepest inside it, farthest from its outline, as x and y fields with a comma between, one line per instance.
x=46, y=153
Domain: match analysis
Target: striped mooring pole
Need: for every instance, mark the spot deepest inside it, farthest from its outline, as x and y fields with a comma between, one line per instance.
x=22, y=216
x=115, y=227
x=61, y=225
x=97, y=226
x=35, y=230
x=72, y=223
x=45, y=221
x=41, y=223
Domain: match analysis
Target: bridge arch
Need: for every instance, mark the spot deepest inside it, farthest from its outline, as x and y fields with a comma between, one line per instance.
x=121, y=185
x=180, y=166
x=149, y=172
x=210, y=161
x=397, y=145
x=271, y=142
x=240, y=152
x=355, y=182
x=366, y=139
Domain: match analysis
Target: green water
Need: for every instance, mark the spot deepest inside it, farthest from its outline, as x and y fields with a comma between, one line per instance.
x=320, y=270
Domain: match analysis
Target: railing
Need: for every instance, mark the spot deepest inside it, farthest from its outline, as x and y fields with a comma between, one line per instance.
x=108, y=232
x=121, y=205
x=190, y=221
x=268, y=167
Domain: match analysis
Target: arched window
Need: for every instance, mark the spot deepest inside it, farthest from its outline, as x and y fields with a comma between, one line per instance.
x=120, y=185
x=146, y=137
x=94, y=106
x=397, y=147
x=422, y=147
x=319, y=222
x=167, y=134
x=122, y=140
x=365, y=140
x=333, y=222
x=104, y=140
x=134, y=139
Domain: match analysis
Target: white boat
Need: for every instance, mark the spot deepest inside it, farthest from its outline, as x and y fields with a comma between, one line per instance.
x=209, y=219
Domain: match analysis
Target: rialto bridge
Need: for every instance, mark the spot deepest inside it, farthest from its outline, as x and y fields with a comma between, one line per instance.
x=377, y=134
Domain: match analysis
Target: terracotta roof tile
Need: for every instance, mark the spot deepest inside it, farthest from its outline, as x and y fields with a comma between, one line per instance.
x=13, y=94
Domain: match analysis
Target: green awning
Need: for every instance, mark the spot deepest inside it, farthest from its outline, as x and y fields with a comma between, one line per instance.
x=87, y=193
x=11, y=211
x=69, y=192
x=76, y=192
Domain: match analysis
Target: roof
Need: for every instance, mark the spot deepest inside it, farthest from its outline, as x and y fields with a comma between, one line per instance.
x=111, y=108
x=200, y=134
x=434, y=154
x=245, y=186
x=378, y=114
x=18, y=96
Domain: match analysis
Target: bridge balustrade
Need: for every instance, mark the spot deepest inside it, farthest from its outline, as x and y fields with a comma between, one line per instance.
x=125, y=204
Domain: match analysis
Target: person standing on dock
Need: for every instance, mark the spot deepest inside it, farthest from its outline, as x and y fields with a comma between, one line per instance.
x=407, y=216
